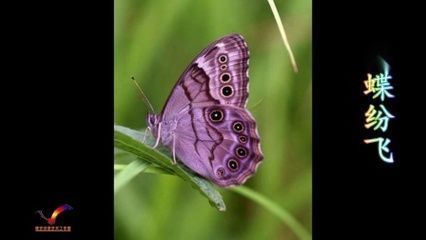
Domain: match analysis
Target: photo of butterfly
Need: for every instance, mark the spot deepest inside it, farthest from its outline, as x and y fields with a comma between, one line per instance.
x=205, y=122
x=200, y=148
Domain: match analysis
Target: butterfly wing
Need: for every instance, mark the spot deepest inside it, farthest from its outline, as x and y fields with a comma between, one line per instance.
x=224, y=64
x=215, y=83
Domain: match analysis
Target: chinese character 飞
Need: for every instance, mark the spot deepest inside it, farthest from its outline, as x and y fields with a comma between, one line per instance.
x=382, y=147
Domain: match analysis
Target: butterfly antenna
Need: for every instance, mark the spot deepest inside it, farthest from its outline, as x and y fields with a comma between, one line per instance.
x=143, y=96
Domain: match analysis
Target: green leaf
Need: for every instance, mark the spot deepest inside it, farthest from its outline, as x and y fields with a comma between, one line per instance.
x=131, y=141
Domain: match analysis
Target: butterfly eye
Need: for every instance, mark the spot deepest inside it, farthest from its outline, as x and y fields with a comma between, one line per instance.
x=238, y=127
x=241, y=152
x=233, y=164
x=226, y=91
x=223, y=58
x=243, y=139
x=216, y=115
x=225, y=77
x=151, y=119
x=220, y=172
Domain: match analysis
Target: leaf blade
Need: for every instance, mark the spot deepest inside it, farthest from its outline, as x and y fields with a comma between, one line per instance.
x=130, y=141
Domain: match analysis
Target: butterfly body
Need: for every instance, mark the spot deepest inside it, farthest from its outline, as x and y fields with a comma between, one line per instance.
x=205, y=121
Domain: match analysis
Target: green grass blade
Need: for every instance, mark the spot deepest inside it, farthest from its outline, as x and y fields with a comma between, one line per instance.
x=275, y=209
x=128, y=173
x=256, y=197
x=149, y=169
x=131, y=141
x=282, y=32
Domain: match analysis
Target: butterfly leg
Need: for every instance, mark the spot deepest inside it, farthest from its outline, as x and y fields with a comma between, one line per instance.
x=158, y=136
x=147, y=130
x=173, y=150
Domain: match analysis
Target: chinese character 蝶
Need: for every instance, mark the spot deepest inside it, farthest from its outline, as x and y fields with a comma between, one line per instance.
x=379, y=85
x=377, y=118
x=382, y=147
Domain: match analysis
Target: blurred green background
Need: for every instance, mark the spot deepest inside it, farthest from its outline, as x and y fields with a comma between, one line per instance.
x=154, y=42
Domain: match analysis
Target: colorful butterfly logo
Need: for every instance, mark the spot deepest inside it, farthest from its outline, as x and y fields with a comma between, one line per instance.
x=58, y=210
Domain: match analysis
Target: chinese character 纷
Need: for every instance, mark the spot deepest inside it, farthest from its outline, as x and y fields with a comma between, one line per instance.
x=377, y=118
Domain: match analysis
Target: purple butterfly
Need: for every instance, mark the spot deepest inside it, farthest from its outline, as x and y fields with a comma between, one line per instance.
x=205, y=122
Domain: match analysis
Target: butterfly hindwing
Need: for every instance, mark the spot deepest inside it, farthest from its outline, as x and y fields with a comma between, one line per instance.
x=225, y=141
